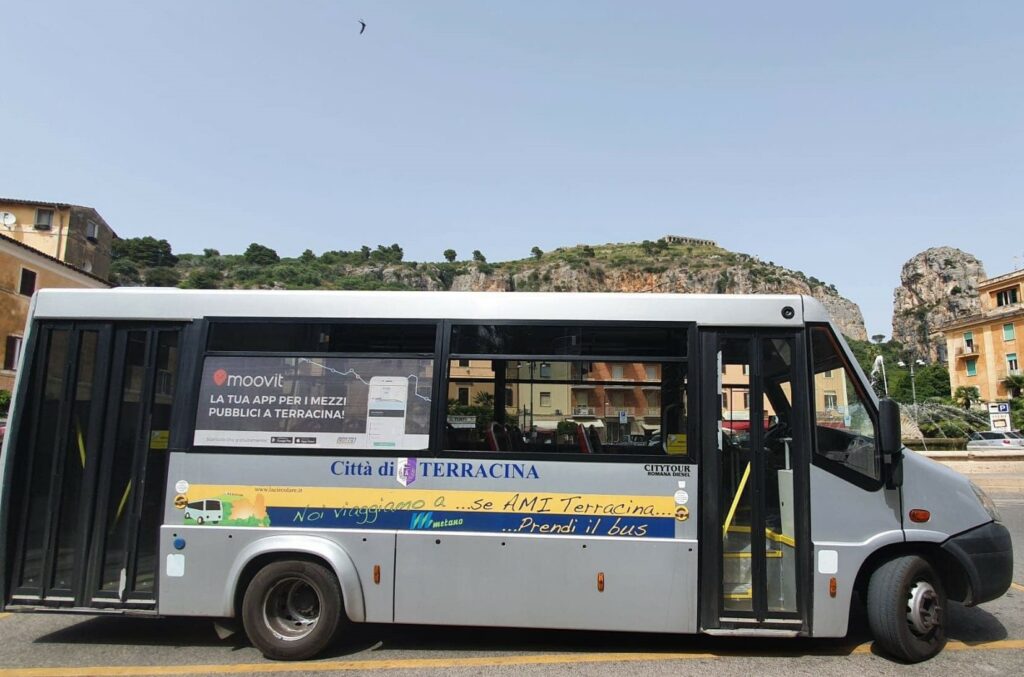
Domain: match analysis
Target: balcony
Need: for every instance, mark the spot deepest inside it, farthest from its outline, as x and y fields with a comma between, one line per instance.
x=585, y=411
x=967, y=350
x=653, y=411
x=612, y=411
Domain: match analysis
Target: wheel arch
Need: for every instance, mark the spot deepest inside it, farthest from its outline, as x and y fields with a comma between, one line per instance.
x=259, y=553
x=955, y=578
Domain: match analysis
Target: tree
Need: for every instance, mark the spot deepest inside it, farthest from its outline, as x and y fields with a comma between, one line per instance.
x=479, y=257
x=210, y=253
x=537, y=253
x=162, y=277
x=307, y=256
x=201, y=278
x=1014, y=384
x=965, y=396
x=147, y=252
x=124, y=272
x=877, y=338
x=258, y=255
x=450, y=255
x=931, y=381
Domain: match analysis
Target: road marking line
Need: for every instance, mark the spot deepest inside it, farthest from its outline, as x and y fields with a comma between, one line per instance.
x=1017, y=586
x=442, y=663
x=327, y=666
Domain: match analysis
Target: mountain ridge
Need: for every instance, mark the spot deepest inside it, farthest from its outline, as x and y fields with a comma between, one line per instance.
x=673, y=264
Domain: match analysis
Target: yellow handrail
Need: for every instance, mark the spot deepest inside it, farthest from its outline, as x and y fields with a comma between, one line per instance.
x=736, y=500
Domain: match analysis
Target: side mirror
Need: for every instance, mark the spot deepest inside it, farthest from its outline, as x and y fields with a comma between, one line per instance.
x=890, y=442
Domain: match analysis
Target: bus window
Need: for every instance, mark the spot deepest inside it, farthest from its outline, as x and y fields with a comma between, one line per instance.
x=321, y=337
x=844, y=427
x=598, y=407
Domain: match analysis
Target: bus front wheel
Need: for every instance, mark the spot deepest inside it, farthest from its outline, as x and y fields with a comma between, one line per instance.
x=292, y=610
x=907, y=608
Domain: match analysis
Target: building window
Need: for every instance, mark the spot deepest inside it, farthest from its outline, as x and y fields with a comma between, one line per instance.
x=746, y=399
x=652, y=372
x=545, y=370
x=969, y=341
x=618, y=372
x=464, y=396
x=463, y=363
x=972, y=367
x=92, y=231
x=12, y=352
x=28, y=282
x=827, y=373
x=831, y=401
x=44, y=219
x=509, y=397
x=545, y=399
x=745, y=369
x=1011, y=363
x=1008, y=333
x=1007, y=297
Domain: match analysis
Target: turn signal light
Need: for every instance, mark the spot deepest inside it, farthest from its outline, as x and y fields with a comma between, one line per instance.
x=832, y=587
x=376, y=574
x=919, y=515
x=600, y=581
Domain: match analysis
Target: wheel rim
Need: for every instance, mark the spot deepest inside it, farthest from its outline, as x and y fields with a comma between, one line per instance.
x=924, y=613
x=291, y=608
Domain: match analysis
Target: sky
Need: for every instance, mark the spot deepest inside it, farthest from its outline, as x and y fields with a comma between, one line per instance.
x=838, y=139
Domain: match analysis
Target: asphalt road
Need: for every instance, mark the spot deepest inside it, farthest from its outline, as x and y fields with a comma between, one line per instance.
x=984, y=640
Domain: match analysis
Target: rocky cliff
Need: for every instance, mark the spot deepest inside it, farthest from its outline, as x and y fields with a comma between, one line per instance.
x=937, y=286
x=670, y=265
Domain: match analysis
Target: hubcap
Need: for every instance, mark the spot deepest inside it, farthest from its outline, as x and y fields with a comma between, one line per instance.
x=291, y=608
x=923, y=611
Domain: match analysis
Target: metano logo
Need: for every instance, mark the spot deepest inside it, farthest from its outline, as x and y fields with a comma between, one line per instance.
x=221, y=376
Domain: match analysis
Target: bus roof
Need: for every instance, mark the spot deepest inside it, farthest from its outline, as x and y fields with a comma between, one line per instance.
x=134, y=303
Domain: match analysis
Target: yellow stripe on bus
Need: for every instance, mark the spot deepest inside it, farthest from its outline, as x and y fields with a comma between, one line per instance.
x=541, y=502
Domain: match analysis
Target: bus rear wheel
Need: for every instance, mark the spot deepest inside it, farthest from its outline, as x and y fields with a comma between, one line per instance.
x=907, y=608
x=292, y=610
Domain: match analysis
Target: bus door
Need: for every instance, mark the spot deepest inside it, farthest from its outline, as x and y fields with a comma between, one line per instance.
x=755, y=531
x=90, y=465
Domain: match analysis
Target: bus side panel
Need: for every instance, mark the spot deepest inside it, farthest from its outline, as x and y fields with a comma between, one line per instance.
x=197, y=579
x=202, y=580
x=546, y=581
x=847, y=525
x=569, y=528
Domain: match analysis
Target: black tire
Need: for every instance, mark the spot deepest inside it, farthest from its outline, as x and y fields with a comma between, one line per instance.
x=200, y=520
x=907, y=609
x=292, y=610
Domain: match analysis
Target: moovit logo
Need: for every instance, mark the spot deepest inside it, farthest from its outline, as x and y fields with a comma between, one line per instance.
x=221, y=376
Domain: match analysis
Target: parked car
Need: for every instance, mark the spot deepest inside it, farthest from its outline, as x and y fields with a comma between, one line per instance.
x=993, y=441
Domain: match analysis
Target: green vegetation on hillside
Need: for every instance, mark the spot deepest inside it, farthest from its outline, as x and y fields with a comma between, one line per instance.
x=148, y=261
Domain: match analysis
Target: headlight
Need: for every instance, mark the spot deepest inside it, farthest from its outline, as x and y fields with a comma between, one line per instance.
x=986, y=502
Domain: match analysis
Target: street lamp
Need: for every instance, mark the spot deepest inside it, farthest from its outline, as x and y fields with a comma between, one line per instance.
x=913, y=386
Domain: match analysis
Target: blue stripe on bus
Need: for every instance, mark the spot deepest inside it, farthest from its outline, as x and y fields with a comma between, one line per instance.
x=427, y=520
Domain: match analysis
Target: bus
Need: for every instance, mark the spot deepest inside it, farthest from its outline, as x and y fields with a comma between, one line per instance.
x=294, y=462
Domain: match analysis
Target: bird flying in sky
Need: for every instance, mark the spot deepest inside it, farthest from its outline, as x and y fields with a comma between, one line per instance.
x=362, y=27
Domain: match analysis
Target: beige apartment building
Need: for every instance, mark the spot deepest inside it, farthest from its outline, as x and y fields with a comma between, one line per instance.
x=982, y=350
x=23, y=270
x=72, y=234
